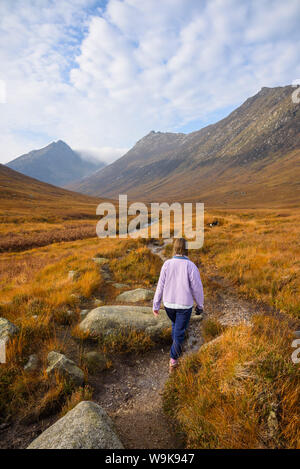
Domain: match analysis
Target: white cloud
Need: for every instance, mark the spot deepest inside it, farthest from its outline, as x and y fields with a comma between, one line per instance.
x=105, y=154
x=101, y=77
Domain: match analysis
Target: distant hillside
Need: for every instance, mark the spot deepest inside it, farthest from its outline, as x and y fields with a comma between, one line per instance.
x=251, y=157
x=22, y=196
x=56, y=164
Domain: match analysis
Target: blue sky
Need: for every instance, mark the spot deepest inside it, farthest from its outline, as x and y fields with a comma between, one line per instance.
x=100, y=75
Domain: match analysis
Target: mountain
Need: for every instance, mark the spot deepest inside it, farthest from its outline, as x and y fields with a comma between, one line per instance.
x=248, y=158
x=56, y=164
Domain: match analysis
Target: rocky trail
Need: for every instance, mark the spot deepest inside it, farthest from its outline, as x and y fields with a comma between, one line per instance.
x=131, y=392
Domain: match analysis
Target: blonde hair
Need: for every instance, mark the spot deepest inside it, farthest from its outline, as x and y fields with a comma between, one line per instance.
x=179, y=247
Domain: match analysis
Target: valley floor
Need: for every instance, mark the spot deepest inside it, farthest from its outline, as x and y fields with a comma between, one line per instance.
x=132, y=392
x=133, y=387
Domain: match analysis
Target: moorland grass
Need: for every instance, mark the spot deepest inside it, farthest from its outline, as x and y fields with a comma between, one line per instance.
x=224, y=394
x=241, y=391
x=37, y=295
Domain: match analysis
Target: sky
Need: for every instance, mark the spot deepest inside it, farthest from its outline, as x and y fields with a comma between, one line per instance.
x=102, y=74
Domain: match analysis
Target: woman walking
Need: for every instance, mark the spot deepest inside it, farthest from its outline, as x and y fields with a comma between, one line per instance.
x=178, y=286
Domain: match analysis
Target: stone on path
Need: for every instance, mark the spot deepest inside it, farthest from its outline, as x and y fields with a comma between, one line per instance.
x=120, y=285
x=66, y=367
x=110, y=318
x=105, y=275
x=7, y=330
x=32, y=364
x=133, y=296
x=87, y=426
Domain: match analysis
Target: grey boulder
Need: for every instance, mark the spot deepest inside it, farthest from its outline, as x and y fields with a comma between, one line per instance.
x=7, y=330
x=133, y=296
x=87, y=426
x=107, y=319
x=60, y=363
x=32, y=364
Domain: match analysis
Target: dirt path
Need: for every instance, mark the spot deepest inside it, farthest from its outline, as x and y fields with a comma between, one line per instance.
x=132, y=396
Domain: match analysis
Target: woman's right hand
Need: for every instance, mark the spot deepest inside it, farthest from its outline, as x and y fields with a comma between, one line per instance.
x=155, y=312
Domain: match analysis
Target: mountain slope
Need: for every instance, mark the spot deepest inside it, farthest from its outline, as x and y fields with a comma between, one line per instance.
x=22, y=196
x=56, y=164
x=252, y=153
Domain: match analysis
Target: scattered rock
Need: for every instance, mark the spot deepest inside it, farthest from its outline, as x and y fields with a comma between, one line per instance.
x=87, y=426
x=76, y=296
x=297, y=334
x=83, y=313
x=60, y=363
x=107, y=319
x=120, y=285
x=110, y=318
x=105, y=275
x=215, y=222
x=95, y=361
x=73, y=275
x=7, y=330
x=32, y=364
x=272, y=423
x=100, y=260
x=133, y=296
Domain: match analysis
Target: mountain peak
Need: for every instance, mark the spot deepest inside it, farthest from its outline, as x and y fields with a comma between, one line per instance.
x=59, y=143
x=56, y=164
x=216, y=162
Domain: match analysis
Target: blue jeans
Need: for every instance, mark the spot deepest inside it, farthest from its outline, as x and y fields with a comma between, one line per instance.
x=180, y=319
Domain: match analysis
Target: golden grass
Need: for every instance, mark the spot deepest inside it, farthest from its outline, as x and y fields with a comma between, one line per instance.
x=31, y=238
x=223, y=395
x=211, y=328
x=138, y=265
x=36, y=295
x=259, y=251
x=81, y=394
x=24, y=199
x=31, y=396
x=126, y=342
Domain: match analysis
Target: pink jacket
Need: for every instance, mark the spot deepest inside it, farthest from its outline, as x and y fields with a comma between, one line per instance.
x=179, y=282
